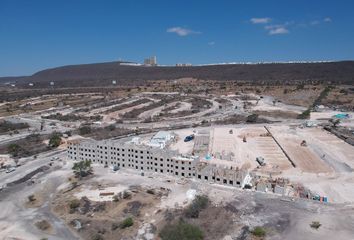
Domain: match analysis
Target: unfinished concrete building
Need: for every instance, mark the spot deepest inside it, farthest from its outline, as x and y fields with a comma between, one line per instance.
x=146, y=158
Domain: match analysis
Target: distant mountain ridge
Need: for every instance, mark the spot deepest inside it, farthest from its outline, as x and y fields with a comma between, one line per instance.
x=102, y=74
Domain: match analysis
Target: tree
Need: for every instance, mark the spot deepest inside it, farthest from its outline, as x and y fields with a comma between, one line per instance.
x=14, y=149
x=82, y=168
x=55, y=140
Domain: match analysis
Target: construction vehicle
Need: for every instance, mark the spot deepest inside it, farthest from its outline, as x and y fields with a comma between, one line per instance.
x=260, y=161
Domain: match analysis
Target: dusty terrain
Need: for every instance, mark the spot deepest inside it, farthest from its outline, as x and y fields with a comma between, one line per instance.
x=233, y=124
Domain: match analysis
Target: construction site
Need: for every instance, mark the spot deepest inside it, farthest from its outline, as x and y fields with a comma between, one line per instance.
x=247, y=153
x=293, y=160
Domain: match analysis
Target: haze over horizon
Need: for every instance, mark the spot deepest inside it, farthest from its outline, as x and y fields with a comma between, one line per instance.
x=39, y=34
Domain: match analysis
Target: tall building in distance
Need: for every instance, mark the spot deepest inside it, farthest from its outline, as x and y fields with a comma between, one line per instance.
x=151, y=61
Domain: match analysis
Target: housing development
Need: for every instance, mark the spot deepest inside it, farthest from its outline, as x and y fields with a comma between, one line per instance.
x=130, y=161
x=176, y=120
x=144, y=158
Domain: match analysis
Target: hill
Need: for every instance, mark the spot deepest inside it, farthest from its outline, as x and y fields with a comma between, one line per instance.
x=102, y=74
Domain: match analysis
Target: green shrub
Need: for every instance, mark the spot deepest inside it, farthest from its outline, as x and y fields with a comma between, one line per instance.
x=126, y=223
x=97, y=237
x=126, y=195
x=14, y=149
x=252, y=118
x=84, y=130
x=150, y=191
x=181, y=230
x=305, y=114
x=74, y=204
x=114, y=226
x=258, y=232
x=111, y=127
x=115, y=198
x=31, y=198
x=43, y=225
x=315, y=225
x=198, y=204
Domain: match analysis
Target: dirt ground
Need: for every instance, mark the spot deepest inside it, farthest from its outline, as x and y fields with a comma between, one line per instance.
x=103, y=216
x=303, y=157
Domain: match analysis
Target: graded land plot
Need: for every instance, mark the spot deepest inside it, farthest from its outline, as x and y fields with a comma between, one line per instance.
x=260, y=144
x=336, y=152
x=124, y=108
x=228, y=144
x=108, y=106
x=183, y=106
x=223, y=145
x=201, y=143
x=303, y=157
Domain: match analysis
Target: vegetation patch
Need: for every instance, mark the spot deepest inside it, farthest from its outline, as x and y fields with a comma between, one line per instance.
x=181, y=230
x=28, y=146
x=6, y=126
x=43, y=225
x=72, y=117
x=55, y=140
x=305, y=114
x=315, y=225
x=82, y=168
x=128, y=222
x=198, y=204
x=258, y=231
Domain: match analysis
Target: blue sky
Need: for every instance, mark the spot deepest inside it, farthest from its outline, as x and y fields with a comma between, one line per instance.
x=39, y=34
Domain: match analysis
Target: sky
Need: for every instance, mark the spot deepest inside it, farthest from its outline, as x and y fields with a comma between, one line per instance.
x=40, y=34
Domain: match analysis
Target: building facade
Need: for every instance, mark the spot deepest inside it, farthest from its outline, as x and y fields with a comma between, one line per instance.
x=148, y=159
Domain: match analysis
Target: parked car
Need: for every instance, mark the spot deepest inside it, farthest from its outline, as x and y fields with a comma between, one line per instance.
x=189, y=138
x=10, y=169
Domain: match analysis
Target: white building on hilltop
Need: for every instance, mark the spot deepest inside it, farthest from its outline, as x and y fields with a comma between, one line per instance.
x=151, y=61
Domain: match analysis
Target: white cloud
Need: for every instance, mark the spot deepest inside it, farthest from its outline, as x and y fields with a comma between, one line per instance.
x=260, y=20
x=276, y=29
x=181, y=31
x=315, y=22
x=211, y=43
x=327, y=19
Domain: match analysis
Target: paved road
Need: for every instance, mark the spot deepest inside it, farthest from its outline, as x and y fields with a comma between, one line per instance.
x=30, y=164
